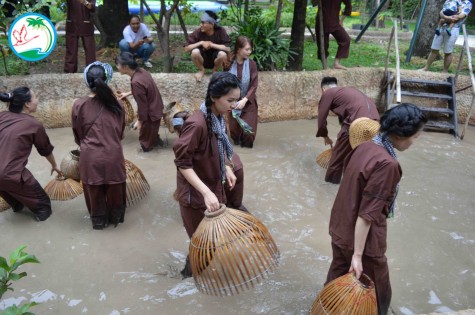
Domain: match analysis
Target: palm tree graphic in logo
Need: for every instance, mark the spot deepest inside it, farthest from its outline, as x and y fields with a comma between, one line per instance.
x=32, y=37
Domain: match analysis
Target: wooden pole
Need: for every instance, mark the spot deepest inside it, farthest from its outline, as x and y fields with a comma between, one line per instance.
x=320, y=36
x=469, y=61
x=398, y=70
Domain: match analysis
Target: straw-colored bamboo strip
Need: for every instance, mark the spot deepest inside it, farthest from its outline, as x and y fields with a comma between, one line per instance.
x=3, y=205
x=323, y=159
x=137, y=185
x=129, y=112
x=230, y=252
x=62, y=188
x=347, y=295
x=70, y=165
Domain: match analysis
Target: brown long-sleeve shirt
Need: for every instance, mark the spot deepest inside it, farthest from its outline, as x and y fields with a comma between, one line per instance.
x=331, y=13
x=195, y=149
x=347, y=103
x=102, y=159
x=79, y=19
x=146, y=94
x=252, y=88
x=367, y=190
x=19, y=132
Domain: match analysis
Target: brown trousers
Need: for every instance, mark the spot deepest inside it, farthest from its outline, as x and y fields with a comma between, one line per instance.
x=105, y=203
x=341, y=149
x=29, y=194
x=238, y=135
x=374, y=267
x=148, y=135
x=341, y=37
x=71, y=58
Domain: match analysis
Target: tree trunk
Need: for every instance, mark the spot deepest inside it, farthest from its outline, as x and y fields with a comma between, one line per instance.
x=428, y=25
x=182, y=23
x=114, y=16
x=278, y=15
x=297, y=35
x=163, y=31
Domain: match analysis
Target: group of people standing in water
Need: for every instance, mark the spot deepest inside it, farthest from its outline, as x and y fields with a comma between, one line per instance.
x=209, y=172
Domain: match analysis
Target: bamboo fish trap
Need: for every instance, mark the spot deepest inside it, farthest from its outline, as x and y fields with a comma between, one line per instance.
x=361, y=130
x=347, y=295
x=129, y=110
x=62, y=188
x=70, y=165
x=3, y=205
x=323, y=159
x=137, y=185
x=231, y=251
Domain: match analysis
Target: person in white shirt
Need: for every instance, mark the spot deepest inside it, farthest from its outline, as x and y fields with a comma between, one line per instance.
x=138, y=40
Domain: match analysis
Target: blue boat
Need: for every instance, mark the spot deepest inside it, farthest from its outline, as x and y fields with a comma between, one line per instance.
x=196, y=6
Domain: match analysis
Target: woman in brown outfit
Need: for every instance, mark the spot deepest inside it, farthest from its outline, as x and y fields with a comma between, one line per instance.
x=98, y=126
x=246, y=70
x=148, y=98
x=19, y=131
x=203, y=154
x=366, y=198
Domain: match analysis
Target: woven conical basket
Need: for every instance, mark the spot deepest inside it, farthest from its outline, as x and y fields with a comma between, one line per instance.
x=3, y=205
x=231, y=251
x=137, y=185
x=347, y=295
x=70, y=165
x=323, y=159
x=361, y=130
x=129, y=110
x=62, y=188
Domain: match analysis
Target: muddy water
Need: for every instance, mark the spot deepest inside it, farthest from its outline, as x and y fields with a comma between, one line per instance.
x=133, y=269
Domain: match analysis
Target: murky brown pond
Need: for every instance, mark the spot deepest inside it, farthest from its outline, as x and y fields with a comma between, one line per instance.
x=131, y=269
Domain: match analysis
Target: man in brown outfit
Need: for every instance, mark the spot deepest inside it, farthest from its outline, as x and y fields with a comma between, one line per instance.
x=148, y=98
x=333, y=24
x=79, y=24
x=348, y=104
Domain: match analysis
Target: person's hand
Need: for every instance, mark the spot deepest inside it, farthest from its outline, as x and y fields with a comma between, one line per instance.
x=206, y=45
x=138, y=125
x=327, y=141
x=211, y=202
x=230, y=177
x=240, y=104
x=55, y=168
x=123, y=95
x=341, y=22
x=356, y=265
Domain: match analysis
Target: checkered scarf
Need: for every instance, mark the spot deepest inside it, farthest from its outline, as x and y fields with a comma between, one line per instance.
x=382, y=140
x=219, y=128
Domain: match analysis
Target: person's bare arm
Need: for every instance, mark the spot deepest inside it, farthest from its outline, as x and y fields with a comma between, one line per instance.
x=190, y=47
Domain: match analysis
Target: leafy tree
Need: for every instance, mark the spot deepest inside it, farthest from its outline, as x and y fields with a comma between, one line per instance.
x=297, y=36
x=426, y=30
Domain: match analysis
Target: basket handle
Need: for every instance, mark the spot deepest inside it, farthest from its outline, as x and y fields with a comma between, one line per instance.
x=364, y=281
x=221, y=210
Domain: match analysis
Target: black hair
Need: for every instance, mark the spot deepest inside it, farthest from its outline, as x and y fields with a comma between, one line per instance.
x=126, y=59
x=17, y=98
x=403, y=120
x=96, y=79
x=328, y=81
x=133, y=16
x=214, y=16
x=219, y=85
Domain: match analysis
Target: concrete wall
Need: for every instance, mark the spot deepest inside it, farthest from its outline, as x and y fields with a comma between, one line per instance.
x=281, y=95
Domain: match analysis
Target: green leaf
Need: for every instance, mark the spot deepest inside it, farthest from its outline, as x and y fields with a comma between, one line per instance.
x=16, y=254
x=4, y=264
x=28, y=259
x=17, y=276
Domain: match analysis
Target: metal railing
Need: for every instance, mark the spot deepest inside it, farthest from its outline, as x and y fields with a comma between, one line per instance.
x=396, y=84
x=466, y=49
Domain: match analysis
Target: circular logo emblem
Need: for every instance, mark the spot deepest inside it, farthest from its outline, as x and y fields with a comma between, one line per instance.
x=32, y=36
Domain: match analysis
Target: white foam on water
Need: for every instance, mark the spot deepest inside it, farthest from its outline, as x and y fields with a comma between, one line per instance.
x=11, y=301
x=73, y=303
x=102, y=296
x=444, y=309
x=433, y=298
x=183, y=289
x=84, y=310
x=43, y=296
x=115, y=312
x=406, y=311
x=456, y=236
